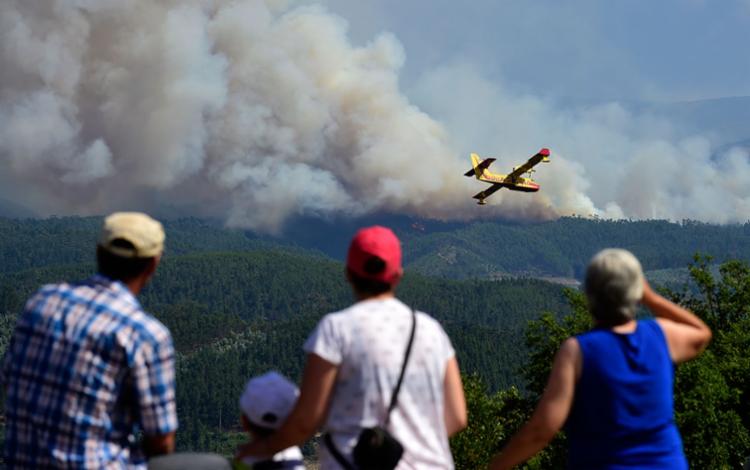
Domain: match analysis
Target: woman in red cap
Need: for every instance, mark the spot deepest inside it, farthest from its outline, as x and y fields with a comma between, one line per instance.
x=355, y=360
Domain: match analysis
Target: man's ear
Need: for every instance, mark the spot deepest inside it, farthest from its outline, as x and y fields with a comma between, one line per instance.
x=152, y=265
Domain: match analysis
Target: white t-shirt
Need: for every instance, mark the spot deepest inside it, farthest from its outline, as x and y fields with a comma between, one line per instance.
x=368, y=341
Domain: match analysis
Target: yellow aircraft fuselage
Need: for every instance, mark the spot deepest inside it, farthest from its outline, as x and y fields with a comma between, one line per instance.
x=519, y=183
x=514, y=181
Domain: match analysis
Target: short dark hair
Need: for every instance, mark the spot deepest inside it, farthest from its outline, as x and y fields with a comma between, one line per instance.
x=369, y=287
x=119, y=268
x=259, y=431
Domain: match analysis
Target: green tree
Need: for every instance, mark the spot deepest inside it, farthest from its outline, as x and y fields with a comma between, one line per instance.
x=492, y=420
x=711, y=393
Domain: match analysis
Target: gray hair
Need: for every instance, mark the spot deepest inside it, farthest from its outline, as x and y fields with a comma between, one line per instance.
x=613, y=285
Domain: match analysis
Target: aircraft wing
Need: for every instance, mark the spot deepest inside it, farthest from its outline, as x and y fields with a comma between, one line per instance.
x=543, y=155
x=488, y=192
x=481, y=166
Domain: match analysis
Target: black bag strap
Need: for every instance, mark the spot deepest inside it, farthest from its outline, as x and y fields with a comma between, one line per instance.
x=278, y=464
x=397, y=388
x=328, y=440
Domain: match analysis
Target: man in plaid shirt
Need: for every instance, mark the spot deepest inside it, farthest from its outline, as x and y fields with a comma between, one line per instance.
x=87, y=369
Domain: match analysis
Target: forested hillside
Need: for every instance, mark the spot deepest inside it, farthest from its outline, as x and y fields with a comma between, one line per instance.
x=237, y=314
x=28, y=243
x=558, y=248
x=238, y=305
x=563, y=247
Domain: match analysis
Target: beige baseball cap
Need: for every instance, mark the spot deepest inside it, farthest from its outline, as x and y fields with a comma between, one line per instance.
x=132, y=235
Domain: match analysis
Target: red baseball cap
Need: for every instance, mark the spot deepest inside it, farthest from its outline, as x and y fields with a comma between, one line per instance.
x=375, y=254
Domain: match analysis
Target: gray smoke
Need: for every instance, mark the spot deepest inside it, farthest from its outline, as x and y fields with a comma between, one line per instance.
x=607, y=161
x=254, y=111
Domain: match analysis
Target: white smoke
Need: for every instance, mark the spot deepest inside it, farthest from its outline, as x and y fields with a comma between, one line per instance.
x=254, y=111
x=239, y=109
x=606, y=161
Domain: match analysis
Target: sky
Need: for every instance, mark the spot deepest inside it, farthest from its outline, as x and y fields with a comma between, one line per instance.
x=587, y=50
x=258, y=111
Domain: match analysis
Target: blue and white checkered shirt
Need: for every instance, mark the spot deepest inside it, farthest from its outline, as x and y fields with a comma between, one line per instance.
x=85, y=370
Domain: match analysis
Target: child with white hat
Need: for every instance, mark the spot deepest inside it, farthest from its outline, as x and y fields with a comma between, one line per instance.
x=265, y=404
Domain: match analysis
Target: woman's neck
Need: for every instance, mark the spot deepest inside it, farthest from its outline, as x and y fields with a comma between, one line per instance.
x=627, y=327
x=385, y=295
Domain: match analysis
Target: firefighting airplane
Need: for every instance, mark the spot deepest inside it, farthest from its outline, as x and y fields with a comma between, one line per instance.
x=513, y=181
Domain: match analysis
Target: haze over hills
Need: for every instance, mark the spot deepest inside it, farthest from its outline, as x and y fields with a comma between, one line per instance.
x=15, y=210
x=483, y=250
x=724, y=119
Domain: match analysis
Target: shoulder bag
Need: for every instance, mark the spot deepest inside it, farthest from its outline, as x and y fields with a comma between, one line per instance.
x=376, y=448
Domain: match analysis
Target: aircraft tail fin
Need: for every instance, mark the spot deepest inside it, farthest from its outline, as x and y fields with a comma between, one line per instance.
x=478, y=165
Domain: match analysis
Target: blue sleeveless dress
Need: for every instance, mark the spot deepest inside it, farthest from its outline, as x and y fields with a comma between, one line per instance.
x=622, y=415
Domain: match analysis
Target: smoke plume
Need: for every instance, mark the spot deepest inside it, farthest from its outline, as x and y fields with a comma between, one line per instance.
x=254, y=111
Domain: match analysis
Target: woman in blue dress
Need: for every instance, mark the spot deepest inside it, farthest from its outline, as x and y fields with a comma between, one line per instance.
x=612, y=386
